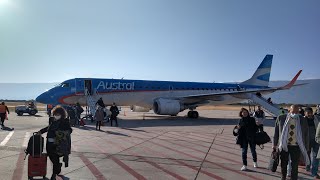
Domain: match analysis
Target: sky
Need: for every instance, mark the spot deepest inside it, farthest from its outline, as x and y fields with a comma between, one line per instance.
x=181, y=40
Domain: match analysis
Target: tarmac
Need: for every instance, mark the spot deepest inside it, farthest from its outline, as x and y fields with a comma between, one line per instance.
x=144, y=146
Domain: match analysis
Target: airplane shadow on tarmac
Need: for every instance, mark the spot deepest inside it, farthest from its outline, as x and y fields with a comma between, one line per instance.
x=181, y=121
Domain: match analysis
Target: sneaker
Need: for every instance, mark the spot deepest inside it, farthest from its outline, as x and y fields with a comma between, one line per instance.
x=255, y=164
x=244, y=168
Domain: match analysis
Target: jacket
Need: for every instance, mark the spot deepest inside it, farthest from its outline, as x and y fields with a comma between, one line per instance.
x=61, y=125
x=99, y=115
x=279, y=127
x=4, y=109
x=114, y=110
x=317, y=138
x=247, y=131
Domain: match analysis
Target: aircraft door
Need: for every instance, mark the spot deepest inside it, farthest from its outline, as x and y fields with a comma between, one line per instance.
x=88, y=86
x=79, y=86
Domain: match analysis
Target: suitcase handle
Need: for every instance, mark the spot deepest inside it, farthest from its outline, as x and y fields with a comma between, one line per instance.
x=36, y=133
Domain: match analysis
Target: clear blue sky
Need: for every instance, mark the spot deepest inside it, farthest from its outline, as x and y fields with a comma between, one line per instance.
x=184, y=40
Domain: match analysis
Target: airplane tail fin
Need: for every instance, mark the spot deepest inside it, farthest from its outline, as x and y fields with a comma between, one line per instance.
x=262, y=75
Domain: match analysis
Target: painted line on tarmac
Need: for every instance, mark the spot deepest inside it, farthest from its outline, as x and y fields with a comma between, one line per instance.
x=92, y=168
x=121, y=164
x=221, y=166
x=26, y=139
x=183, y=163
x=18, y=172
x=161, y=168
x=128, y=169
x=5, y=141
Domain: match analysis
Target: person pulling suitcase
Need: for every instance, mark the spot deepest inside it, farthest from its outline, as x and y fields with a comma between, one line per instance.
x=56, y=145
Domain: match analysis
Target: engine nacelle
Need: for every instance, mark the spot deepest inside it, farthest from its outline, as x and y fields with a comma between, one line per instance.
x=139, y=109
x=167, y=107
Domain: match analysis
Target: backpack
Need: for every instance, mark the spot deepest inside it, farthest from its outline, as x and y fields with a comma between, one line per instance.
x=35, y=145
x=63, y=143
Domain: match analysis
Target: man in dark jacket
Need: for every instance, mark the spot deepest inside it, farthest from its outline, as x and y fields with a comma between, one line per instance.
x=291, y=138
x=58, y=124
x=114, y=113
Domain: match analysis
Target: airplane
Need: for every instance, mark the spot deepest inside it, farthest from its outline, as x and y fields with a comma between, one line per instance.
x=166, y=97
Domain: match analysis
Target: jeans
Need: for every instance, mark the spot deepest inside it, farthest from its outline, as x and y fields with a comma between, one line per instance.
x=98, y=125
x=55, y=159
x=114, y=118
x=245, y=151
x=3, y=117
x=314, y=147
x=294, y=152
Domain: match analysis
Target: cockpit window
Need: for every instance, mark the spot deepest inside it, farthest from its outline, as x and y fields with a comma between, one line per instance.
x=65, y=85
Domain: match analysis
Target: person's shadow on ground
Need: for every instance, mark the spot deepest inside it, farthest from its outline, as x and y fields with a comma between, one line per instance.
x=4, y=128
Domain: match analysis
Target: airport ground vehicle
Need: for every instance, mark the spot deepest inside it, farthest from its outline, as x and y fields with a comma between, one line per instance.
x=29, y=108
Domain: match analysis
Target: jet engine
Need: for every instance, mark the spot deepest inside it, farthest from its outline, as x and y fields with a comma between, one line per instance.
x=139, y=109
x=167, y=107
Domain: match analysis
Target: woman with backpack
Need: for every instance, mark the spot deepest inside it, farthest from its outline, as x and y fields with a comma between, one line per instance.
x=58, y=139
x=246, y=130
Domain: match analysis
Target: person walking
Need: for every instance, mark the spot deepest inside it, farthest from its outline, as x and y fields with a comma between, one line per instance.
x=99, y=116
x=114, y=113
x=260, y=117
x=291, y=138
x=58, y=124
x=247, y=129
x=313, y=122
x=3, y=113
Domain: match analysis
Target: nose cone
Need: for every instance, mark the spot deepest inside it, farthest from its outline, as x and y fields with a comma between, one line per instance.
x=43, y=98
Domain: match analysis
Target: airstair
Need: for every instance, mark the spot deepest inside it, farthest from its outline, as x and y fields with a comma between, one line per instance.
x=272, y=109
x=91, y=102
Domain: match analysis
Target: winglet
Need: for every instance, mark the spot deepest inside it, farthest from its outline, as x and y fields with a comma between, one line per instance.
x=291, y=83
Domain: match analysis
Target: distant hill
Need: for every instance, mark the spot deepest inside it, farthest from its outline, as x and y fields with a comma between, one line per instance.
x=307, y=94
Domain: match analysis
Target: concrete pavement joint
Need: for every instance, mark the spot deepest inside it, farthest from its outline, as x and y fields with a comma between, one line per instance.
x=204, y=159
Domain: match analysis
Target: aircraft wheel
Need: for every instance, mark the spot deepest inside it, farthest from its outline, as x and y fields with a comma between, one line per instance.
x=195, y=114
x=190, y=114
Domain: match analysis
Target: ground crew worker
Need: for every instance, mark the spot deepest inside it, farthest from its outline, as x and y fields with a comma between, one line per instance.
x=3, y=113
x=60, y=123
x=114, y=113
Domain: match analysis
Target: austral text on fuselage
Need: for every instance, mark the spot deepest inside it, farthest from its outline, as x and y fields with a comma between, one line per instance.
x=115, y=86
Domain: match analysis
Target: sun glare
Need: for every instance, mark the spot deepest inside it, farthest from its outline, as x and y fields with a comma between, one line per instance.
x=3, y=2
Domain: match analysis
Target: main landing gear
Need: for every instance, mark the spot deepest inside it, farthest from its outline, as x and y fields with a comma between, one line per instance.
x=193, y=114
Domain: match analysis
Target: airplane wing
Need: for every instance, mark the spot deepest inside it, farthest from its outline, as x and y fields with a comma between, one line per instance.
x=205, y=98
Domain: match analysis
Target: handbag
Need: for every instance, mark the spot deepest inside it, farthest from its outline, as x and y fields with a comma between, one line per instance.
x=261, y=138
x=274, y=161
x=235, y=131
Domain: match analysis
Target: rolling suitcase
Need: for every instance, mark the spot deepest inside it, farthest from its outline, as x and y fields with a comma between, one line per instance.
x=37, y=163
